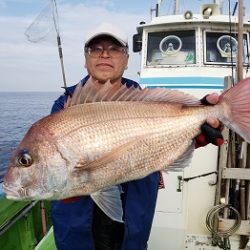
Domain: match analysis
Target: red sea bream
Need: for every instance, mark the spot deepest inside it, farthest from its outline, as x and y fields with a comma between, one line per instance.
x=114, y=135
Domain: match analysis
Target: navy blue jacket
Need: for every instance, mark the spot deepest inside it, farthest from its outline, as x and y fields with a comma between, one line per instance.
x=73, y=221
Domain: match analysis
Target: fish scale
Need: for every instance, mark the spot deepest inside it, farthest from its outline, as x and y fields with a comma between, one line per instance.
x=144, y=157
x=106, y=132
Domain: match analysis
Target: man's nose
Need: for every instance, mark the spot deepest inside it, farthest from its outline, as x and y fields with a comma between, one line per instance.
x=105, y=53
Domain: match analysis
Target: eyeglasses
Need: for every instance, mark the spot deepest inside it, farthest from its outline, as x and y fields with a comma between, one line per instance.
x=112, y=50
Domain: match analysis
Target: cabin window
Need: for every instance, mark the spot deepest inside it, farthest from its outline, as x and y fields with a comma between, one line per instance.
x=221, y=48
x=171, y=48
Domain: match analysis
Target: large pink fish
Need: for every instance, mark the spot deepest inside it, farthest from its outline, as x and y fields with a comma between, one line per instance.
x=119, y=135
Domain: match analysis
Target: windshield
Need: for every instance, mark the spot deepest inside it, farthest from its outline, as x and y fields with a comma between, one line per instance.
x=221, y=48
x=171, y=48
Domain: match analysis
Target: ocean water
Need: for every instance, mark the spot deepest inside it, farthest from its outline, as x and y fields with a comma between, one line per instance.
x=18, y=111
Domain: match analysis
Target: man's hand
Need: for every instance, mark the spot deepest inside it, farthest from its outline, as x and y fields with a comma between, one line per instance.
x=211, y=130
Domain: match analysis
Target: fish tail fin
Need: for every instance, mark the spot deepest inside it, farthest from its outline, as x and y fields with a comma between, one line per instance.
x=237, y=99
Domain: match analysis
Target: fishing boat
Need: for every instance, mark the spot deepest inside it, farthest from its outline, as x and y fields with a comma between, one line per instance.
x=199, y=206
x=199, y=54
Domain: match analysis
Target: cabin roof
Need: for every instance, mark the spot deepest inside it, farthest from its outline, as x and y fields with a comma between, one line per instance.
x=196, y=19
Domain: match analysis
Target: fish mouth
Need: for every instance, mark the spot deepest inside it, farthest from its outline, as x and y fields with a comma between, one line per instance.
x=11, y=192
x=23, y=194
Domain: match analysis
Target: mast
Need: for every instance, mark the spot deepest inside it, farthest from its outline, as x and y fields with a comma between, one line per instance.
x=240, y=42
x=244, y=147
x=176, y=7
x=220, y=3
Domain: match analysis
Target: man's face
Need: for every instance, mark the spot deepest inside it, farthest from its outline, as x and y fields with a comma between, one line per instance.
x=106, y=59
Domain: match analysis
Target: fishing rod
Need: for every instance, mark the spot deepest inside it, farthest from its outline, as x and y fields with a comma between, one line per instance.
x=59, y=44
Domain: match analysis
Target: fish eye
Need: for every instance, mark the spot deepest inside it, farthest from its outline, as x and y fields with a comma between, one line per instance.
x=25, y=160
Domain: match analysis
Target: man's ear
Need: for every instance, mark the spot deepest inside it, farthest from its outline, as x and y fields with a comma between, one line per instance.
x=127, y=63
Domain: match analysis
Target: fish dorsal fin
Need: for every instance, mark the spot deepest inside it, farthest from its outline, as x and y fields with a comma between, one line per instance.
x=169, y=95
x=92, y=91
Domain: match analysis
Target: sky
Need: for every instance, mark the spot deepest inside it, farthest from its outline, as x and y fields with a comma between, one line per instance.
x=35, y=66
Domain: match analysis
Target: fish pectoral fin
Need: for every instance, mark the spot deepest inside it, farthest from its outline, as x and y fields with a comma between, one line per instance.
x=109, y=201
x=82, y=164
x=184, y=160
x=108, y=157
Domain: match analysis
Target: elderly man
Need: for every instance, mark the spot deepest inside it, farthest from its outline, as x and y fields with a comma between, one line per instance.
x=79, y=224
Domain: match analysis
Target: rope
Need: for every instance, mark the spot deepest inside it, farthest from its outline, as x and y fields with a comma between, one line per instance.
x=221, y=238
